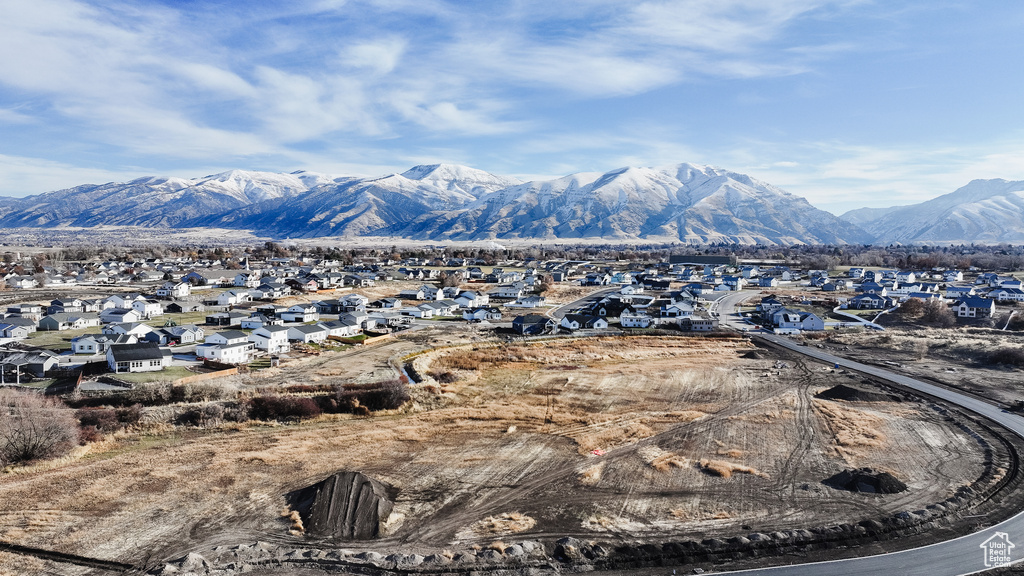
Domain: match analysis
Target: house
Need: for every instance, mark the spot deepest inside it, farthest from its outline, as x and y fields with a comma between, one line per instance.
x=238, y=353
x=300, y=313
x=307, y=333
x=119, y=315
x=246, y=280
x=187, y=334
x=99, y=343
x=595, y=279
x=698, y=324
x=481, y=313
x=148, y=308
x=573, y=322
x=26, y=323
x=855, y=273
x=226, y=319
x=768, y=282
x=1007, y=295
x=65, y=305
x=181, y=307
x=386, y=304
x=132, y=328
x=124, y=300
x=952, y=276
x=532, y=324
x=171, y=289
x=271, y=339
x=138, y=357
x=340, y=328
x=870, y=301
x=470, y=299
x=233, y=297
x=227, y=337
x=273, y=290
x=873, y=288
x=257, y=320
x=956, y=292
x=974, y=307
x=13, y=331
x=528, y=301
x=35, y=362
x=32, y=311
x=635, y=320
x=512, y=291
x=680, y=310
x=68, y=321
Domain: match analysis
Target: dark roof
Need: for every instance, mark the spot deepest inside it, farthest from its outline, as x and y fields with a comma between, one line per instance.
x=232, y=334
x=140, y=351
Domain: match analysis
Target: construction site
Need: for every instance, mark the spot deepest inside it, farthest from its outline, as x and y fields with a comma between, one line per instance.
x=607, y=451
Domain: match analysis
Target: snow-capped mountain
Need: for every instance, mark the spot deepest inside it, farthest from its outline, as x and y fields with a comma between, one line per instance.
x=982, y=212
x=153, y=201
x=686, y=202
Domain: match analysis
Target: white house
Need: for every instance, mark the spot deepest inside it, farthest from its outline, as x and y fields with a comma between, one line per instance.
x=99, y=343
x=119, y=315
x=307, y=333
x=1008, y=295
x=271, y=339
x=171, y=289
x=340, y=328
x=233, y=297
x=138, y=357
x=301, y=313
x=575, y=322
x=131, y=328
x=974, y=307
x=635, y=320
x=227, y=337
x=481, y=313
x=13, y=331
x=238, y=353
x=148, y=308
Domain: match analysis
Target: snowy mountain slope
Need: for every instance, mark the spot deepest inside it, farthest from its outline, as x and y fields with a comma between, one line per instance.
x=685, y=202
x=983, y=212
x=438, y=202
x=153, y=201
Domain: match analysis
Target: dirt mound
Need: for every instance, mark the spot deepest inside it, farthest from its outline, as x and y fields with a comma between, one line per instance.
x=865, y=480
x=752, y=355
x=344, y=506
x=851, y=394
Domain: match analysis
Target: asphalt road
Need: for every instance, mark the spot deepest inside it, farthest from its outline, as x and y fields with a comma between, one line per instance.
x=964, y=555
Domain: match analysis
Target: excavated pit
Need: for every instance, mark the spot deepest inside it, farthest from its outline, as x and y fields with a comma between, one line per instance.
x=344, y=506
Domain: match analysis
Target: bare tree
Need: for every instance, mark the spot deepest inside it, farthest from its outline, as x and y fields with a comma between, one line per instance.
x=33, y=427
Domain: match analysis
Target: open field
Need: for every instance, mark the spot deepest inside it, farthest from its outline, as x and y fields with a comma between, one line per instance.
x=697, y=436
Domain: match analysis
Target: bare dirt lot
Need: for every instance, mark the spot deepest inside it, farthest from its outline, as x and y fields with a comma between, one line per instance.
x=616, y=438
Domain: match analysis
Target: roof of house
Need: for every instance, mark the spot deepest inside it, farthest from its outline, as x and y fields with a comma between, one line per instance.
x=232, y=334
x=140, y=351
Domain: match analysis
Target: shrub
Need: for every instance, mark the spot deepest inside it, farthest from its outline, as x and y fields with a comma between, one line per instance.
x=89, y=434
x=912, y=307
x=445, y=377
x=282, y=408
x=386, y=395
x=1007, y=356
x=937, y=313
x=33, y=427
x=100, y=419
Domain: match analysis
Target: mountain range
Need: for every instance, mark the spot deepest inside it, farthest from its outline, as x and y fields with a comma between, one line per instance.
x=687, y=203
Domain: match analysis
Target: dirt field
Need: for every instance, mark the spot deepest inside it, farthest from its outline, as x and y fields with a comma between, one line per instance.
x=695, y=437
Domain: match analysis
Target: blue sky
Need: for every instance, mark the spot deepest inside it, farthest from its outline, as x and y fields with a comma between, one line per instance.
x=848, y=103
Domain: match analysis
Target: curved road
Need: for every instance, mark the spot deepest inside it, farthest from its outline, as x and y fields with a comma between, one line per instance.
x=956, y=557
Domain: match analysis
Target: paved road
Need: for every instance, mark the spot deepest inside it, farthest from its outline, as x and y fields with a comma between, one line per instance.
x=951, y=558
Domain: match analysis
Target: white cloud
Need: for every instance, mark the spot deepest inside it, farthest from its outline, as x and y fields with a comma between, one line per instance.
x=21, y=176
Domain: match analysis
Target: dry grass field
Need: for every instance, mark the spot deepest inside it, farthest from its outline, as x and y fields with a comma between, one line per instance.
x=619, y=437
